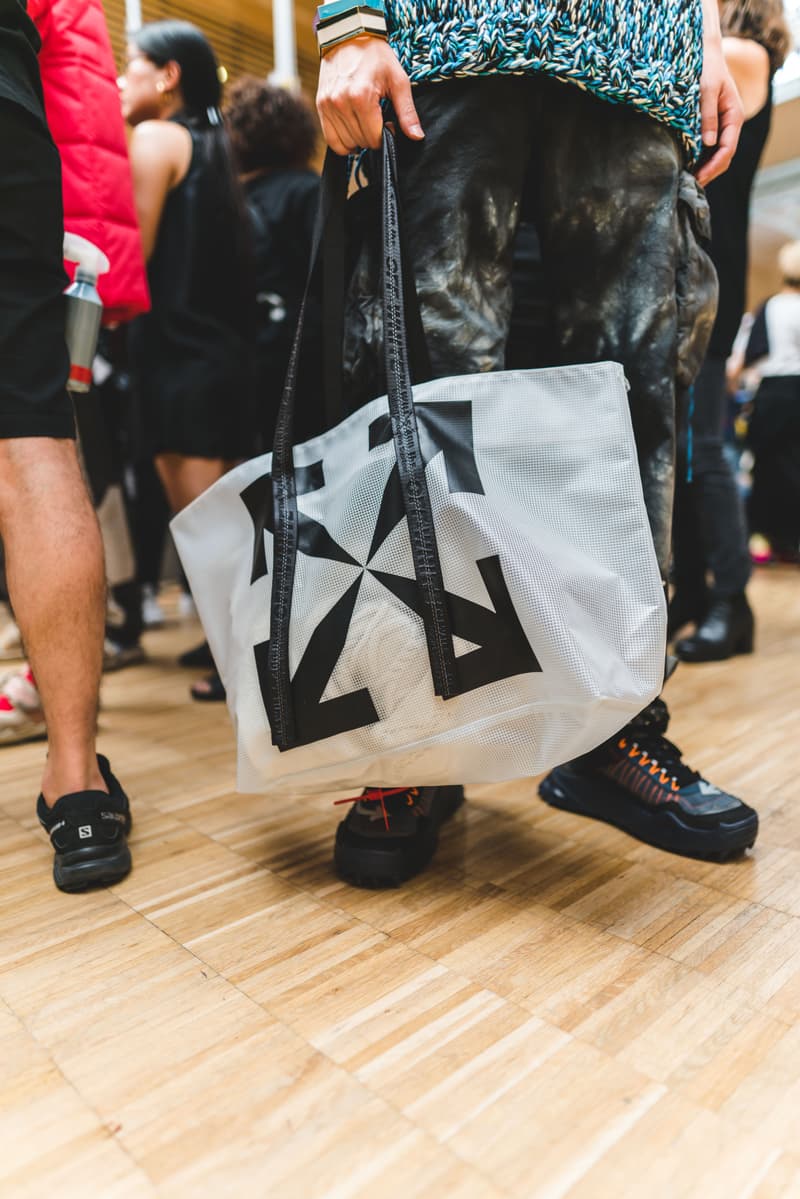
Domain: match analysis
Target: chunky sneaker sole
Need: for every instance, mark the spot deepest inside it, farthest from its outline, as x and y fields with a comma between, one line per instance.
x=73, y=872
x=88, y=831
x=376, y=864
x=660, y=826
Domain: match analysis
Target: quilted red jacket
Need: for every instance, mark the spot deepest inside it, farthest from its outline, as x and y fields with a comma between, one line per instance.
x=83, y=111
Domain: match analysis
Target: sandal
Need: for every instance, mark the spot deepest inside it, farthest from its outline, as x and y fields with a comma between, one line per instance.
x=209, y=690
x=197, y=658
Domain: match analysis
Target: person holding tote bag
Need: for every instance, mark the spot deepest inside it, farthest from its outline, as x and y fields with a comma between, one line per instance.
x=461, y=581
x=619, y=220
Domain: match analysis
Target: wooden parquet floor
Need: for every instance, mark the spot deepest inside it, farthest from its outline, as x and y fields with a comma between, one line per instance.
x=551, y=1012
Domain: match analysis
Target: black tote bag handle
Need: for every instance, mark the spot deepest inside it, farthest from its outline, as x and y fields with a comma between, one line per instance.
x=333, y=304
x=411, y=467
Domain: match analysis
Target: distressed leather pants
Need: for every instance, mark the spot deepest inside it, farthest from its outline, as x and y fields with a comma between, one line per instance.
x=620, y=226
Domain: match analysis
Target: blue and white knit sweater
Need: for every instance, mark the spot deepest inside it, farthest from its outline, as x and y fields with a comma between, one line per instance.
x=647, y=53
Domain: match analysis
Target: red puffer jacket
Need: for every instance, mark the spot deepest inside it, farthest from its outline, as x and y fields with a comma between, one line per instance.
x=83, y=111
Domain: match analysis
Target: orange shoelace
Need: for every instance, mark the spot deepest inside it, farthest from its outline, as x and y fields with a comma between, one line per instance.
x=636, y=752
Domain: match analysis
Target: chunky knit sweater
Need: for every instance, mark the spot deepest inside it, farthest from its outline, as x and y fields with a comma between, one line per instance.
x=647, y=53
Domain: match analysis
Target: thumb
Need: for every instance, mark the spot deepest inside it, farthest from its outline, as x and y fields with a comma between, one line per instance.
x=403, y=105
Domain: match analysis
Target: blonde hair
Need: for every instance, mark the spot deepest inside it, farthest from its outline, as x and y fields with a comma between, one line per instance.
x=789, y=263
x=762, y=21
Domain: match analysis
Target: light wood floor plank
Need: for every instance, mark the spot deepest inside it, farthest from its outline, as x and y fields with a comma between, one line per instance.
x=551, y=1012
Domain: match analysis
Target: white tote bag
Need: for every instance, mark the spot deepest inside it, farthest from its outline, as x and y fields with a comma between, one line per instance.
x=463, y=587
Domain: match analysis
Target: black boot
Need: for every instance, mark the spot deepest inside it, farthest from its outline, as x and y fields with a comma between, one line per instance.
x=726, y=630
x=685, y=608
x=391, y=835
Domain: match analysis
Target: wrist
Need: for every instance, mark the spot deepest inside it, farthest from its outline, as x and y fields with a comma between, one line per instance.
x=355, y=45
x=348, y=20
x=712, y=30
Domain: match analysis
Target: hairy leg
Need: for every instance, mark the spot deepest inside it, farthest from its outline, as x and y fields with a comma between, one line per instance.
x=56, y=579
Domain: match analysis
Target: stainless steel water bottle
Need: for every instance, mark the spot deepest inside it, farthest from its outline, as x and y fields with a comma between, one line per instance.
x=84, y=308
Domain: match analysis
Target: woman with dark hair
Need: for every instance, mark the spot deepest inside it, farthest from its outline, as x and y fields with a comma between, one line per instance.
x=710, y=536
x=274, y=136
x=190, y=356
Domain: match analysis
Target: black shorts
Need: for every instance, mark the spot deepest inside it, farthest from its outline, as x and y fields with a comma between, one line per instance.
x=34, y=365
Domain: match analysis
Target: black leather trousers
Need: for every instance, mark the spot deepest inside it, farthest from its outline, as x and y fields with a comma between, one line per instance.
x=620, y=226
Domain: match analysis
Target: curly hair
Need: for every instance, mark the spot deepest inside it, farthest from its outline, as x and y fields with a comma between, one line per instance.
x=762, y=21
x=269, y=126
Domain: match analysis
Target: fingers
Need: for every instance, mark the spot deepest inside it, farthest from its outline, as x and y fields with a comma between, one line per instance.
x=403, y=104
x=730, y=118
x=711, y=169
x=334, y=131
x=367, y=115
x=351, y=118
x=353, y=80
x=347, y=129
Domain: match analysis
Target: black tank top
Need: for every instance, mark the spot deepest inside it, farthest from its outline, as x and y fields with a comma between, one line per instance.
x=729, y=199
x=197, y=335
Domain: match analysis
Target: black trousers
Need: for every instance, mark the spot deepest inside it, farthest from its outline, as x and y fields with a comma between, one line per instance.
x=774, y=438
x=710, y=531
x=620, y=225
x=34, y=365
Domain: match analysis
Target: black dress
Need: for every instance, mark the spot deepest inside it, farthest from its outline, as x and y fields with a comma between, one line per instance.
x=190, y=356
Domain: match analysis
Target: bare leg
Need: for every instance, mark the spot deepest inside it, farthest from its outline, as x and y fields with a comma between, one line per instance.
x=185, y=478
x=54, y=562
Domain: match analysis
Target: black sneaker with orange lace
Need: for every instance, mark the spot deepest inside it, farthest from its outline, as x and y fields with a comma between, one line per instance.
x=391, y=834
x=638, y=782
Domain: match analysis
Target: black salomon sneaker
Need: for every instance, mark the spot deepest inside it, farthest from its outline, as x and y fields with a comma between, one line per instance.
x=88, y=831
x=639, y=782
x=389, y=835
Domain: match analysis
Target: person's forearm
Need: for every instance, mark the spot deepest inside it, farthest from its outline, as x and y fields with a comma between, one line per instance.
x=711, y=25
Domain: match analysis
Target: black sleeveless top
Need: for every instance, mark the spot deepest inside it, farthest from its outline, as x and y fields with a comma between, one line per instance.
x=190, y=356
x=729, y=200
